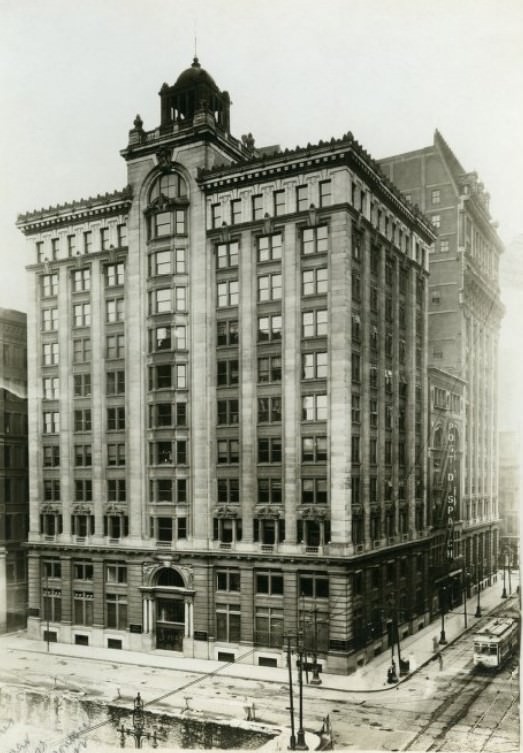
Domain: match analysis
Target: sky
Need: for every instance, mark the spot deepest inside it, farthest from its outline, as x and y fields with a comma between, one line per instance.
x=74, y=75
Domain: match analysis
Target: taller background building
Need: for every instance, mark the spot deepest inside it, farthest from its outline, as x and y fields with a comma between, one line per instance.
x=465, y=314
x=229, y=402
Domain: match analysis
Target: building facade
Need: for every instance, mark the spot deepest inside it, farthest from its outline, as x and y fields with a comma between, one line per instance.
x=465, y=314
x=14, y=500
x=229, y=399
x=509, y=497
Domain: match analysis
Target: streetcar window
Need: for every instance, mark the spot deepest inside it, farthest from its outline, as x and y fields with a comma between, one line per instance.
x=493, y=648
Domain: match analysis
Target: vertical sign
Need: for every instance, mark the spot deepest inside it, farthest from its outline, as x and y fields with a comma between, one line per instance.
x=451, y=491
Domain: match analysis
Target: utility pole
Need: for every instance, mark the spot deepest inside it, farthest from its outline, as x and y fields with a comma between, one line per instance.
x=316, y=680
x=443, y=594
x=300, y=741
x=478, y=605
x=292, y=742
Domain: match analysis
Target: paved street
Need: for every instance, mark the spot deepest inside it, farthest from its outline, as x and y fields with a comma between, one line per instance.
x=366, y=713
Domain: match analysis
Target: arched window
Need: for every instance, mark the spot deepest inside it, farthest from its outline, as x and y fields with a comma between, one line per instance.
x=169, y=577
x=438, y=437
x=167, y=209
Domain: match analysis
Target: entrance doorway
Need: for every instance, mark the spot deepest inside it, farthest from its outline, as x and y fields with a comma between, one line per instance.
x=170, y=623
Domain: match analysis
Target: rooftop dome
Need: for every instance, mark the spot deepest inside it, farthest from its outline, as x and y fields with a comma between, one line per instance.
x=194, y=75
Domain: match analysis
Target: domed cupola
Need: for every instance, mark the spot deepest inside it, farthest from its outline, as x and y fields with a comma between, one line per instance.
x=194, y=94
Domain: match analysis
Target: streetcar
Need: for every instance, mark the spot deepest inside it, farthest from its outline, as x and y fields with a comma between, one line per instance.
x=495, y=642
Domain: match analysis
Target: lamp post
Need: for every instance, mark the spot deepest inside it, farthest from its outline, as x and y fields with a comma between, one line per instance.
x=300, y=737
x=504, y=593
x=292, y=741
x=443, y=596
x=138, y=731
x=478, y=605
x=315, y=680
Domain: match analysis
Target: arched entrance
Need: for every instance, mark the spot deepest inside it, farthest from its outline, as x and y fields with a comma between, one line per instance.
x=168, y=609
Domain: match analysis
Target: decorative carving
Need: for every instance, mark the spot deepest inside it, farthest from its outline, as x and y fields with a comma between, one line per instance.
x=138, y=123
x=151, y=568
x=164, y=158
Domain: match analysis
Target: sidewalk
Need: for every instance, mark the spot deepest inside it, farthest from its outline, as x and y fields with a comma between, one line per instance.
x=418, y=648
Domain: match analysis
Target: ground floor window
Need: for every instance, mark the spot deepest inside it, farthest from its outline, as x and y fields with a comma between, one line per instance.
x=228, y=623
x=116, y=611
x=83, y=608
x=52, y=605
x=269, y=627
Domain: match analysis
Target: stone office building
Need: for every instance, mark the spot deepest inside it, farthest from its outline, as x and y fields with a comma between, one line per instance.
x=465, y=315
x=229, y=406
x=14, y=504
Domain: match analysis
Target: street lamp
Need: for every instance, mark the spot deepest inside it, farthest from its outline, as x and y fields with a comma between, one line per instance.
x=300, y=737
x=478, y=605
x=443, y=596
x=504, y=593
x=292, y=741
x=138, y=731
x=315, y=679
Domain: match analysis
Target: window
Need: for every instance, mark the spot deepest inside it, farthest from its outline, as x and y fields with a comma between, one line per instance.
x=435, y=196
x=83, y=607
x=180, y=376
x=314, y=323
x=115, y=346
x=355, y=409
x=227, y=293
x=116, y=611
x=236, y=211
x=172, y=222
x=269, y=449
x=269, y=369
x=83, y=492
x=81, y=279
x=325, y=187
x=51, y=490
x=39, y=245
x=179, y=261
x=51, y=422
x=160, y=339
x=356, y=368
x=269, y=583
x=314, y=281
x=435, y=297
x=160, y=301
x=88, y=242
x=227, y=332
x=228, y=580
x=160, y=377
x=115, y=454
x=227, y=372
x=269, y=287
x=82, y=571
x=82, y=350
x=114, y=275
x=355, y=448
x=314, y=365
x=180, y=299
x=51, y=524
x=228, y=451
x=115, y=419
x=82, y=315
x=216, y=215
x=269, y=409
x=269, y=491
x=257, y=207
x=227, y=254
x=121, y=234
x=161, y=490
x=444, y=246
x=82, y=420
x=268, y=627
x=314, y=491
x=52, y=605
x=49, y=354
x=51, y=387
x=114, y=310
x=315, y=240
x=314, y=449
x=356, y=286
x=104, y=238
x=227, y=412
x=302, y=198
x=49, y=319
x=82, y=385
x=314, y=408
x=49, y=285
x=228, y=623
x=313, y=585
x=116, y=490
x=278, y=203
x=116, y=526
x=228, y=490
x=82, y=455
x=436, y=220
x=116, y=573
x=373, y=414
x=51, y=456
x=269, y=247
